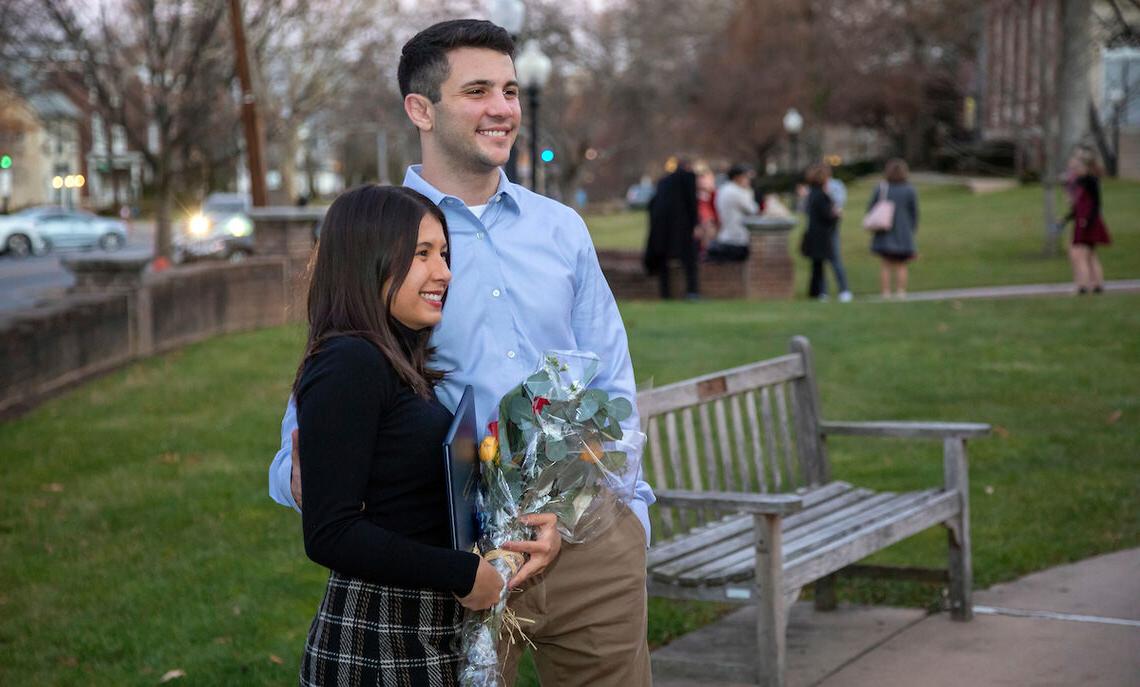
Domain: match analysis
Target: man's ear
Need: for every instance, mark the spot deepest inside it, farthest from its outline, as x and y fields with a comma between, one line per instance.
x=420, y=110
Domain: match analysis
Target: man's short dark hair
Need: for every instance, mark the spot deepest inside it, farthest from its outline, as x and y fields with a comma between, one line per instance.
x=738, y=170
x=423, y=62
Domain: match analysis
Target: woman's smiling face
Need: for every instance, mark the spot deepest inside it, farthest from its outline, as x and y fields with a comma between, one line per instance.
x=419, y=302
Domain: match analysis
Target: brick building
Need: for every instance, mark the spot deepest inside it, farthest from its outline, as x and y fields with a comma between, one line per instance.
x=1021, y=45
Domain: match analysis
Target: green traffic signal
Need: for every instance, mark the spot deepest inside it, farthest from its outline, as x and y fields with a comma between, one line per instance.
x=5, y=161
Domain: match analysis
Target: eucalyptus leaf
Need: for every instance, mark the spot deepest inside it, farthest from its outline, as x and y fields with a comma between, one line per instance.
x=539, y=385
x=620, y=409
x=615, y=461
x=556, y=449
x=599, y=396
x=520, y=410
x=586, y=409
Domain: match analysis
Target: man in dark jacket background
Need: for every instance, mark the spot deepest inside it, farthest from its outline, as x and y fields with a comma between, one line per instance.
x=672, y=221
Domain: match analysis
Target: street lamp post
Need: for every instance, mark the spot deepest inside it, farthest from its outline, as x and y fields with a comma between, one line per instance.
x=533, y=67
x=510, y=15
x=793, y=124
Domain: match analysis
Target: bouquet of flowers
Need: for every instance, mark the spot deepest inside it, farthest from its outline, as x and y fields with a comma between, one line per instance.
x=557, y=447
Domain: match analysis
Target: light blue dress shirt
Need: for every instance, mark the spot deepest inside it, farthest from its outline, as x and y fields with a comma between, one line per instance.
x=525, y=280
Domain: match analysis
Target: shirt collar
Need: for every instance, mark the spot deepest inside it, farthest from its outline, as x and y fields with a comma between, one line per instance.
x=506, y=190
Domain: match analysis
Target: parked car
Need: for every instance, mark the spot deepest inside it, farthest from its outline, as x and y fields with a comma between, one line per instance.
x=222, y=230
x=63, y=228
x=19, y=237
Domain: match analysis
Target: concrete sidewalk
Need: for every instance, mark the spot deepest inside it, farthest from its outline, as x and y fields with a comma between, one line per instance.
x=1014, y=291
x=1076, y=624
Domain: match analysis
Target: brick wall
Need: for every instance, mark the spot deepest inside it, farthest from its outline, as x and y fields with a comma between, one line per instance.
x=767, y=274
x=49, y=349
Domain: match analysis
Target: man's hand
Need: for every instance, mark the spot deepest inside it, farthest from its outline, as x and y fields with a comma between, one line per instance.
x=295, y=476
x=542, y=551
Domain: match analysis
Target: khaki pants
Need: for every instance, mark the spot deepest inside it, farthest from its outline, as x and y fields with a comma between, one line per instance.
x=589, y=609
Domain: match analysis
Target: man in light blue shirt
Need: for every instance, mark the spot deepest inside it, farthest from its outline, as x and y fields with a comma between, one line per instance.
x=526, y=280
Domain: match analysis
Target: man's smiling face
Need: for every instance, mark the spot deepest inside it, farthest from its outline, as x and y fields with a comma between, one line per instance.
x=478, y=114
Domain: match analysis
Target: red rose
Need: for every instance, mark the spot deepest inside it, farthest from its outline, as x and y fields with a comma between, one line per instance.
x=539, y=404
x=493, y=428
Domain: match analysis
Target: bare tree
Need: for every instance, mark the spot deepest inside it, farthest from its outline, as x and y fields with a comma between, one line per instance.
x=158, y=70
x=306, y=55
x=1065, y=118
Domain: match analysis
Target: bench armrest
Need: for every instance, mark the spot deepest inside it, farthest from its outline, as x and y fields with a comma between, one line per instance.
x=907, y=430
x=763, y=504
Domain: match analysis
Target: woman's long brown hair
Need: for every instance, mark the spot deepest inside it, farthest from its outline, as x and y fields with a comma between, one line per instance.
x=368, y=239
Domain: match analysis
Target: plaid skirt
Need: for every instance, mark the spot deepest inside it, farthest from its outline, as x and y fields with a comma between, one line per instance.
x=370, y=634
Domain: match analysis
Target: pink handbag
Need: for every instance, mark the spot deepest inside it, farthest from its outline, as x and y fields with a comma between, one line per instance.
x=881, y=216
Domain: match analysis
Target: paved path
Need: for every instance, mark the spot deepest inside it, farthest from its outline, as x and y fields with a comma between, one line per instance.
x=1016, y=291
x=1077, y=624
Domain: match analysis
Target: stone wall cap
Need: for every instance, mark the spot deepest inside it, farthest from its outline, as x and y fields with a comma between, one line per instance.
x=117, y=263
x=769, y=223
x=287, y=212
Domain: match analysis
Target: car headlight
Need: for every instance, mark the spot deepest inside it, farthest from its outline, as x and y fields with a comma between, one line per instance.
x=199, y=225
x=239, y=226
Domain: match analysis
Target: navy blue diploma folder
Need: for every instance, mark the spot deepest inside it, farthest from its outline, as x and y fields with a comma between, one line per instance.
x=461, y=464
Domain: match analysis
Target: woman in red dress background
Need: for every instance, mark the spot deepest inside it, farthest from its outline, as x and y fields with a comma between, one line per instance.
x=1089, y=229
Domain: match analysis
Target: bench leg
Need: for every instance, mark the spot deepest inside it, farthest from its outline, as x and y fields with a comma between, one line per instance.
x=771, y=611
x=825, y=593
x=958, y=535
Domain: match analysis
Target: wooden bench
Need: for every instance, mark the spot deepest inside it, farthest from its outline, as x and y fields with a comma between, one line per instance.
x=748, y=512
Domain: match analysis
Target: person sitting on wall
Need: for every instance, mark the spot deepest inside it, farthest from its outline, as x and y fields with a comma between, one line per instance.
x=735, y=200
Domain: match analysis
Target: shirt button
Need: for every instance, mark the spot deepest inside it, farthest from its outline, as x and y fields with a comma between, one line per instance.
x=510, y=354
x=496, y=293
x=479, y=235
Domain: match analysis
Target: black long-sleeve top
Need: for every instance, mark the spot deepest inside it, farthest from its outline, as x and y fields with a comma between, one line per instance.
x=818, y=243
x=1091, y=186
x=372, y=473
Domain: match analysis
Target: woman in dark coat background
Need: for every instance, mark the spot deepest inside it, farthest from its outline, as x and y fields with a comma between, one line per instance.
x=672, y=221
x=819, y=240
x=896, y=247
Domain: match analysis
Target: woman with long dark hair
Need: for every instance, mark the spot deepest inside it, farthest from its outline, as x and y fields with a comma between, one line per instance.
x=370, y=429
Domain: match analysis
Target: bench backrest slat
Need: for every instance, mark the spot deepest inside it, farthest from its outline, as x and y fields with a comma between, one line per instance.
x=770, y=439
x=757, y=451
x=741, y=452
x=663, y=523
x=785, y=424
x=713, y=473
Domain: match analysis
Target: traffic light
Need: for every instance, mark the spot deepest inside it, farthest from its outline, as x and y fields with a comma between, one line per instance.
x=5, y=161
x=547, y=155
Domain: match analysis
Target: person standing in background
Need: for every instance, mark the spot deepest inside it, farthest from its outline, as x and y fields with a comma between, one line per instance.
x=672, y=224
x=708, y=221
x=837, y=191
x=819, y=239
x=1089, y=229
x=896, y=247
x=735, y=200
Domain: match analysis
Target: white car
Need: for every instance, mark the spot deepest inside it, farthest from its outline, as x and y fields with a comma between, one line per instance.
x=19, y=237
x=63, y=228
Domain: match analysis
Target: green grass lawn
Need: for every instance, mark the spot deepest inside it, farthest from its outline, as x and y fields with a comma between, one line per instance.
x=137, y=537
x=964, y=239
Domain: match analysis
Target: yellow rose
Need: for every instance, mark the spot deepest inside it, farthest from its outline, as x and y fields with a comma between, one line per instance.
x=489, y=449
